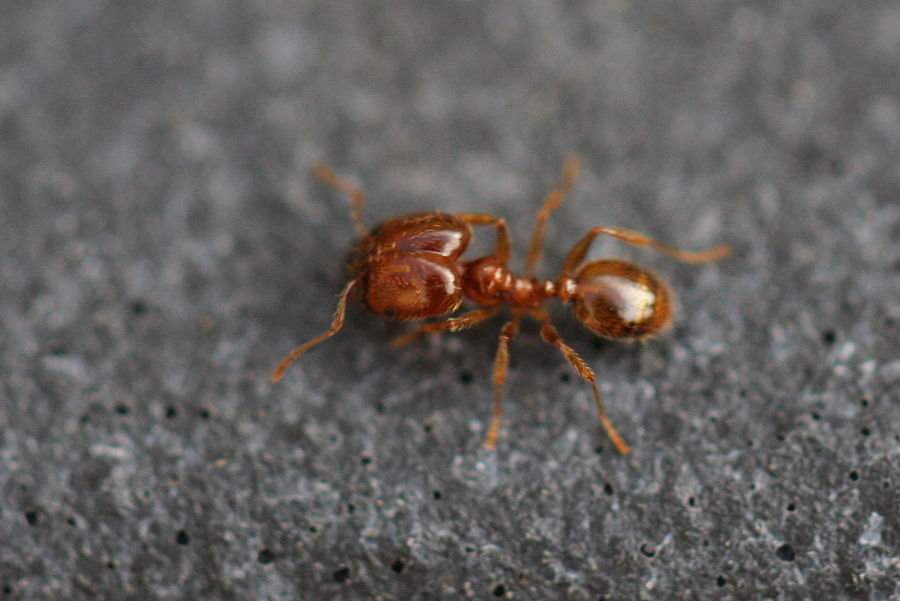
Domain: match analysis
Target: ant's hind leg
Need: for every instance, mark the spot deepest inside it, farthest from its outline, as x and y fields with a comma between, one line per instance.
x=501, y=366
x=454, y=324
x=551, y=335
x=336, y=325
x=576, y=255
x=551, y=202
x=327, y=176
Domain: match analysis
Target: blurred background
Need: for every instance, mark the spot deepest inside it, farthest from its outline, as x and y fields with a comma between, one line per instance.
x=163, y=244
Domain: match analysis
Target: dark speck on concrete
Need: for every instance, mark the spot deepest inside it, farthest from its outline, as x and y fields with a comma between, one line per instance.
x=785, y=552
x=265, y=556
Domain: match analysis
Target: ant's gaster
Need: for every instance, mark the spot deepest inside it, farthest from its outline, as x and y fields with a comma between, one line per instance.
x=411, y=267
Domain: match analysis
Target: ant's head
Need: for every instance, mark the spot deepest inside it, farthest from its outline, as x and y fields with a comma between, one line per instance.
x=403, y=285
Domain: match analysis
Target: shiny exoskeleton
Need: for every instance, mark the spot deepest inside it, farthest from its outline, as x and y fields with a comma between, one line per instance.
x=411, y=267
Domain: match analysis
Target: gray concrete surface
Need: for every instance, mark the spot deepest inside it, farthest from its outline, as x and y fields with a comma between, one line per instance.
x=163, y=244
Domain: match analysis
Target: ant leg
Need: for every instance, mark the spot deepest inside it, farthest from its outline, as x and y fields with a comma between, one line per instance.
x=501, y=253
x=327, y=176
x=336, y=324
x=501, y=365
x=551, y=335
x=576, y=255
x=454, y=324
x=566, y=181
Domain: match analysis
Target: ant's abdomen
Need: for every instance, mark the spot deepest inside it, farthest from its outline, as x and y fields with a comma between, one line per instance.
x=405, y=285
x=618, y=299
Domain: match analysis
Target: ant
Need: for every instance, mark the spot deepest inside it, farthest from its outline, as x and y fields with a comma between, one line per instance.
x=410, y=267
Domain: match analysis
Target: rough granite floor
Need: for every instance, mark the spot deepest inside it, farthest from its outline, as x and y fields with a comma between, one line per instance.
x=162, y=244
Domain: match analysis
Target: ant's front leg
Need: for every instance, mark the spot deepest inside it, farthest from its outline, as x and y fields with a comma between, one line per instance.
x=454, y=324
x=328, y=177
x=501, y=252
x=336, y=324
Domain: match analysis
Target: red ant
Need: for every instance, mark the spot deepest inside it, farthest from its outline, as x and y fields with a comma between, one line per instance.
x=410, y=267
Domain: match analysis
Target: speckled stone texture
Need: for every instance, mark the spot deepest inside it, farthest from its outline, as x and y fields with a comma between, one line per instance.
x=164, y=244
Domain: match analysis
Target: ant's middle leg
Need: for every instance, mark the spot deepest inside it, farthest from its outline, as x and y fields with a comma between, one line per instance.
x=454, y=324
x=551, y=202
x=501, y=367
x=578, y=252
x=551, y=335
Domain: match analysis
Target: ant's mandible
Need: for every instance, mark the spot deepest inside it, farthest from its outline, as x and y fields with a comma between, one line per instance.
x=410, y=267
